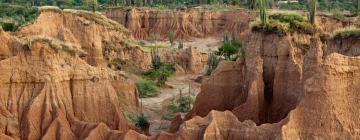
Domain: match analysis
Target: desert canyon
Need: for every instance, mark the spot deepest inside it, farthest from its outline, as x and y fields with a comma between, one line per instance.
x=73, y=75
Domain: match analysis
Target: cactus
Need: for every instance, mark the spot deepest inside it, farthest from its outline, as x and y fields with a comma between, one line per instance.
x=155, y=59
x=312, y=11
x=171, y=36
x=357, y=4
x=263, y=16
x=181, y=44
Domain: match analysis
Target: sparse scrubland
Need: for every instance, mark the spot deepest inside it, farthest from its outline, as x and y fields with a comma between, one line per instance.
x=125, y=69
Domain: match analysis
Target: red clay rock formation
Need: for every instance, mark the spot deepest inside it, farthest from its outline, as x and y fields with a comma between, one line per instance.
x=327, y=108
x=193, y=22
x=104, y=40
x=49, y=92
x=191, y=60
x=221, y=91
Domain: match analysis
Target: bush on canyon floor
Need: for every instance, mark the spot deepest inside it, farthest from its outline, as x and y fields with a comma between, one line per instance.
x=146, y=88
x=346, y=32
x=142, y=122
x=161, y=74
x=182, y=104
x=283, y=23
x=160, y=71
x=139, y=120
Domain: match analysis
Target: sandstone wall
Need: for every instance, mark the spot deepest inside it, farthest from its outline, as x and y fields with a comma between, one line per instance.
x=186, y=23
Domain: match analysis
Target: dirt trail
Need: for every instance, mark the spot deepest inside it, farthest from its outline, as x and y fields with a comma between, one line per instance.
x=154, y=107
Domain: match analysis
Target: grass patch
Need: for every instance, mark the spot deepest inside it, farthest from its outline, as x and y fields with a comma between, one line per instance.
x=146, y=88
x=283, y=23
x=346, y=32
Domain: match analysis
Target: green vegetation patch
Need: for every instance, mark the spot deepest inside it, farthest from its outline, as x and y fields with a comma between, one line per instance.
x=12, y=17
x=160, y=74
x=283, y=23
x=346, y=32
x=146, y=88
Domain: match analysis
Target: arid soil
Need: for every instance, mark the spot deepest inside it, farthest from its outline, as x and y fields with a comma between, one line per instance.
x=70, y=76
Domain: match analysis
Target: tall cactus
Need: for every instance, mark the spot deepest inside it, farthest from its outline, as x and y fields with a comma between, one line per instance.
x=262, y=8
x=312, y=11
x=357, y=4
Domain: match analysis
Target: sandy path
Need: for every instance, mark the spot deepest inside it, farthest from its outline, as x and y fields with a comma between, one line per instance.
x=154, y=107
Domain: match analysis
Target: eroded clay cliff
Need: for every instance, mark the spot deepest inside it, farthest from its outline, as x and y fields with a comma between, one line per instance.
x=297, y=87
x=185, y=23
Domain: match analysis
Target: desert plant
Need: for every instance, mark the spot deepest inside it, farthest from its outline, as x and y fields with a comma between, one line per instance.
x=181, y=44
x=29, y=44
x=283, y=23
x=212, y=63
x=142, y=122
x=262, y=8
x=155, y=59
x=312, y=11
x=357, y=7
x=171, y=36
x=161, y=74
x=146, y=88
x=184, y=103
x=229, y=48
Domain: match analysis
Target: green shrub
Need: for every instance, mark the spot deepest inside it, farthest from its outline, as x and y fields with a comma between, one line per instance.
x=161, y=74
x=182, y=104
x=142, y=122
x=12, y=17
x=185, y=103
x=139, y=120
x=283, y=23
x=230, y=48
x=146, y=88
x=346, y=32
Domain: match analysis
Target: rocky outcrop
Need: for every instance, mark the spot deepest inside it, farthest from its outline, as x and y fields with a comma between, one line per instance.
x=222, y=90
x=105, y=41
x=192, y=60
x=185, y=23
x=47, y=92
x=313, y=93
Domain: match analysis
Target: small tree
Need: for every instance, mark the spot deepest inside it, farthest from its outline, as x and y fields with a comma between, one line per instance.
x=92, y=4
x=312, y=11
x=171, y=36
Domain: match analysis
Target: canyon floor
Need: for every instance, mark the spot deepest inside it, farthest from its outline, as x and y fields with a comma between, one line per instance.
x=155, y=107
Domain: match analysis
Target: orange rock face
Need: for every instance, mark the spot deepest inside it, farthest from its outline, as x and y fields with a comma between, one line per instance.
x=185, y=23
x=313, y=93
